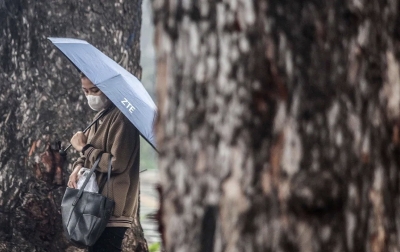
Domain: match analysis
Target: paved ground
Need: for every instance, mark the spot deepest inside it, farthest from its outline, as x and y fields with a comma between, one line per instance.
x=149, y=204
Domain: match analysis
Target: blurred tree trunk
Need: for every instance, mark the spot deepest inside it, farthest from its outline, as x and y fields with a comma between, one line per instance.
x=279, y=124
x=41, y=103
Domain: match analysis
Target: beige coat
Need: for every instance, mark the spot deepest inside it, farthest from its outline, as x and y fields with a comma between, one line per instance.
x=114, y=134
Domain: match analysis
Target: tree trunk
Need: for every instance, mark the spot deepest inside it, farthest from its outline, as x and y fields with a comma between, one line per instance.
x=279, y=124
x=41, y=103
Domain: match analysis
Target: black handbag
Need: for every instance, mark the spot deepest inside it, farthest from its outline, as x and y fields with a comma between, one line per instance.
x=85, y=214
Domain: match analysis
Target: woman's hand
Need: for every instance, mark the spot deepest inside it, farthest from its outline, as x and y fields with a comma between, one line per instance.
x=73, y=178
x=79, y=140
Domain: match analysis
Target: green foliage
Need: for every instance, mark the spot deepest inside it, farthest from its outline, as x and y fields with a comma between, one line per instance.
x=155, y=247
x=148, y=156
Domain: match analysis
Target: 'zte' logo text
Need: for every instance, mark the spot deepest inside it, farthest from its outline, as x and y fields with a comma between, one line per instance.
x=128, y=105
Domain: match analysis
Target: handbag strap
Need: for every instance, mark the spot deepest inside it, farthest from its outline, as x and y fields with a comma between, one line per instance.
x=96, y=163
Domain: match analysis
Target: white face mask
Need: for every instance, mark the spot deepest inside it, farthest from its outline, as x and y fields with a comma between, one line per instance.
x=97, y=102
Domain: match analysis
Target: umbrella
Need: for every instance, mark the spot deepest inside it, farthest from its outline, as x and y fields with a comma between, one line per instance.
x=120, y=86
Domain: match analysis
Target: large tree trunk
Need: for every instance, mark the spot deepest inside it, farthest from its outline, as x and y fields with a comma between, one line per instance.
x=279, y=124
x=41, y=102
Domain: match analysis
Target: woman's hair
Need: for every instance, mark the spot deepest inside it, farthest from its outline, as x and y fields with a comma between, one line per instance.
x=82, y=75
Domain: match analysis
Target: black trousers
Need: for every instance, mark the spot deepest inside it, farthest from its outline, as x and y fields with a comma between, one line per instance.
x=110, y=240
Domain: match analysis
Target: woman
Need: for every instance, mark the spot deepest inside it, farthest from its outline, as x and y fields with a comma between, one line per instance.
x=112, y=135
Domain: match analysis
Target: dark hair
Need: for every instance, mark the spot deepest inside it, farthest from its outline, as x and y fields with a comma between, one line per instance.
x=82, y=75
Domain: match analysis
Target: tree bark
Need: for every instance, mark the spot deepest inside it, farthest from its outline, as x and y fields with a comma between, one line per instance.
x=41, y=103
x=279, y=124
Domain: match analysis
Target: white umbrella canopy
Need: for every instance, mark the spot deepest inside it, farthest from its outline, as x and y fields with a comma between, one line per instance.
x=121, y=87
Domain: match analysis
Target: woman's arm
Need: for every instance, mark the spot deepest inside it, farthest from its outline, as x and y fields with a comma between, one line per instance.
x=73, y=178
x=123, y=145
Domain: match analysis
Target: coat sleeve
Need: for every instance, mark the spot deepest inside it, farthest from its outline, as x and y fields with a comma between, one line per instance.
x=81, y=160
x=123, y=145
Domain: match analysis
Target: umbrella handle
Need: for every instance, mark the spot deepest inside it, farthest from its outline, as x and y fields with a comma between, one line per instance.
x=64, y=152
